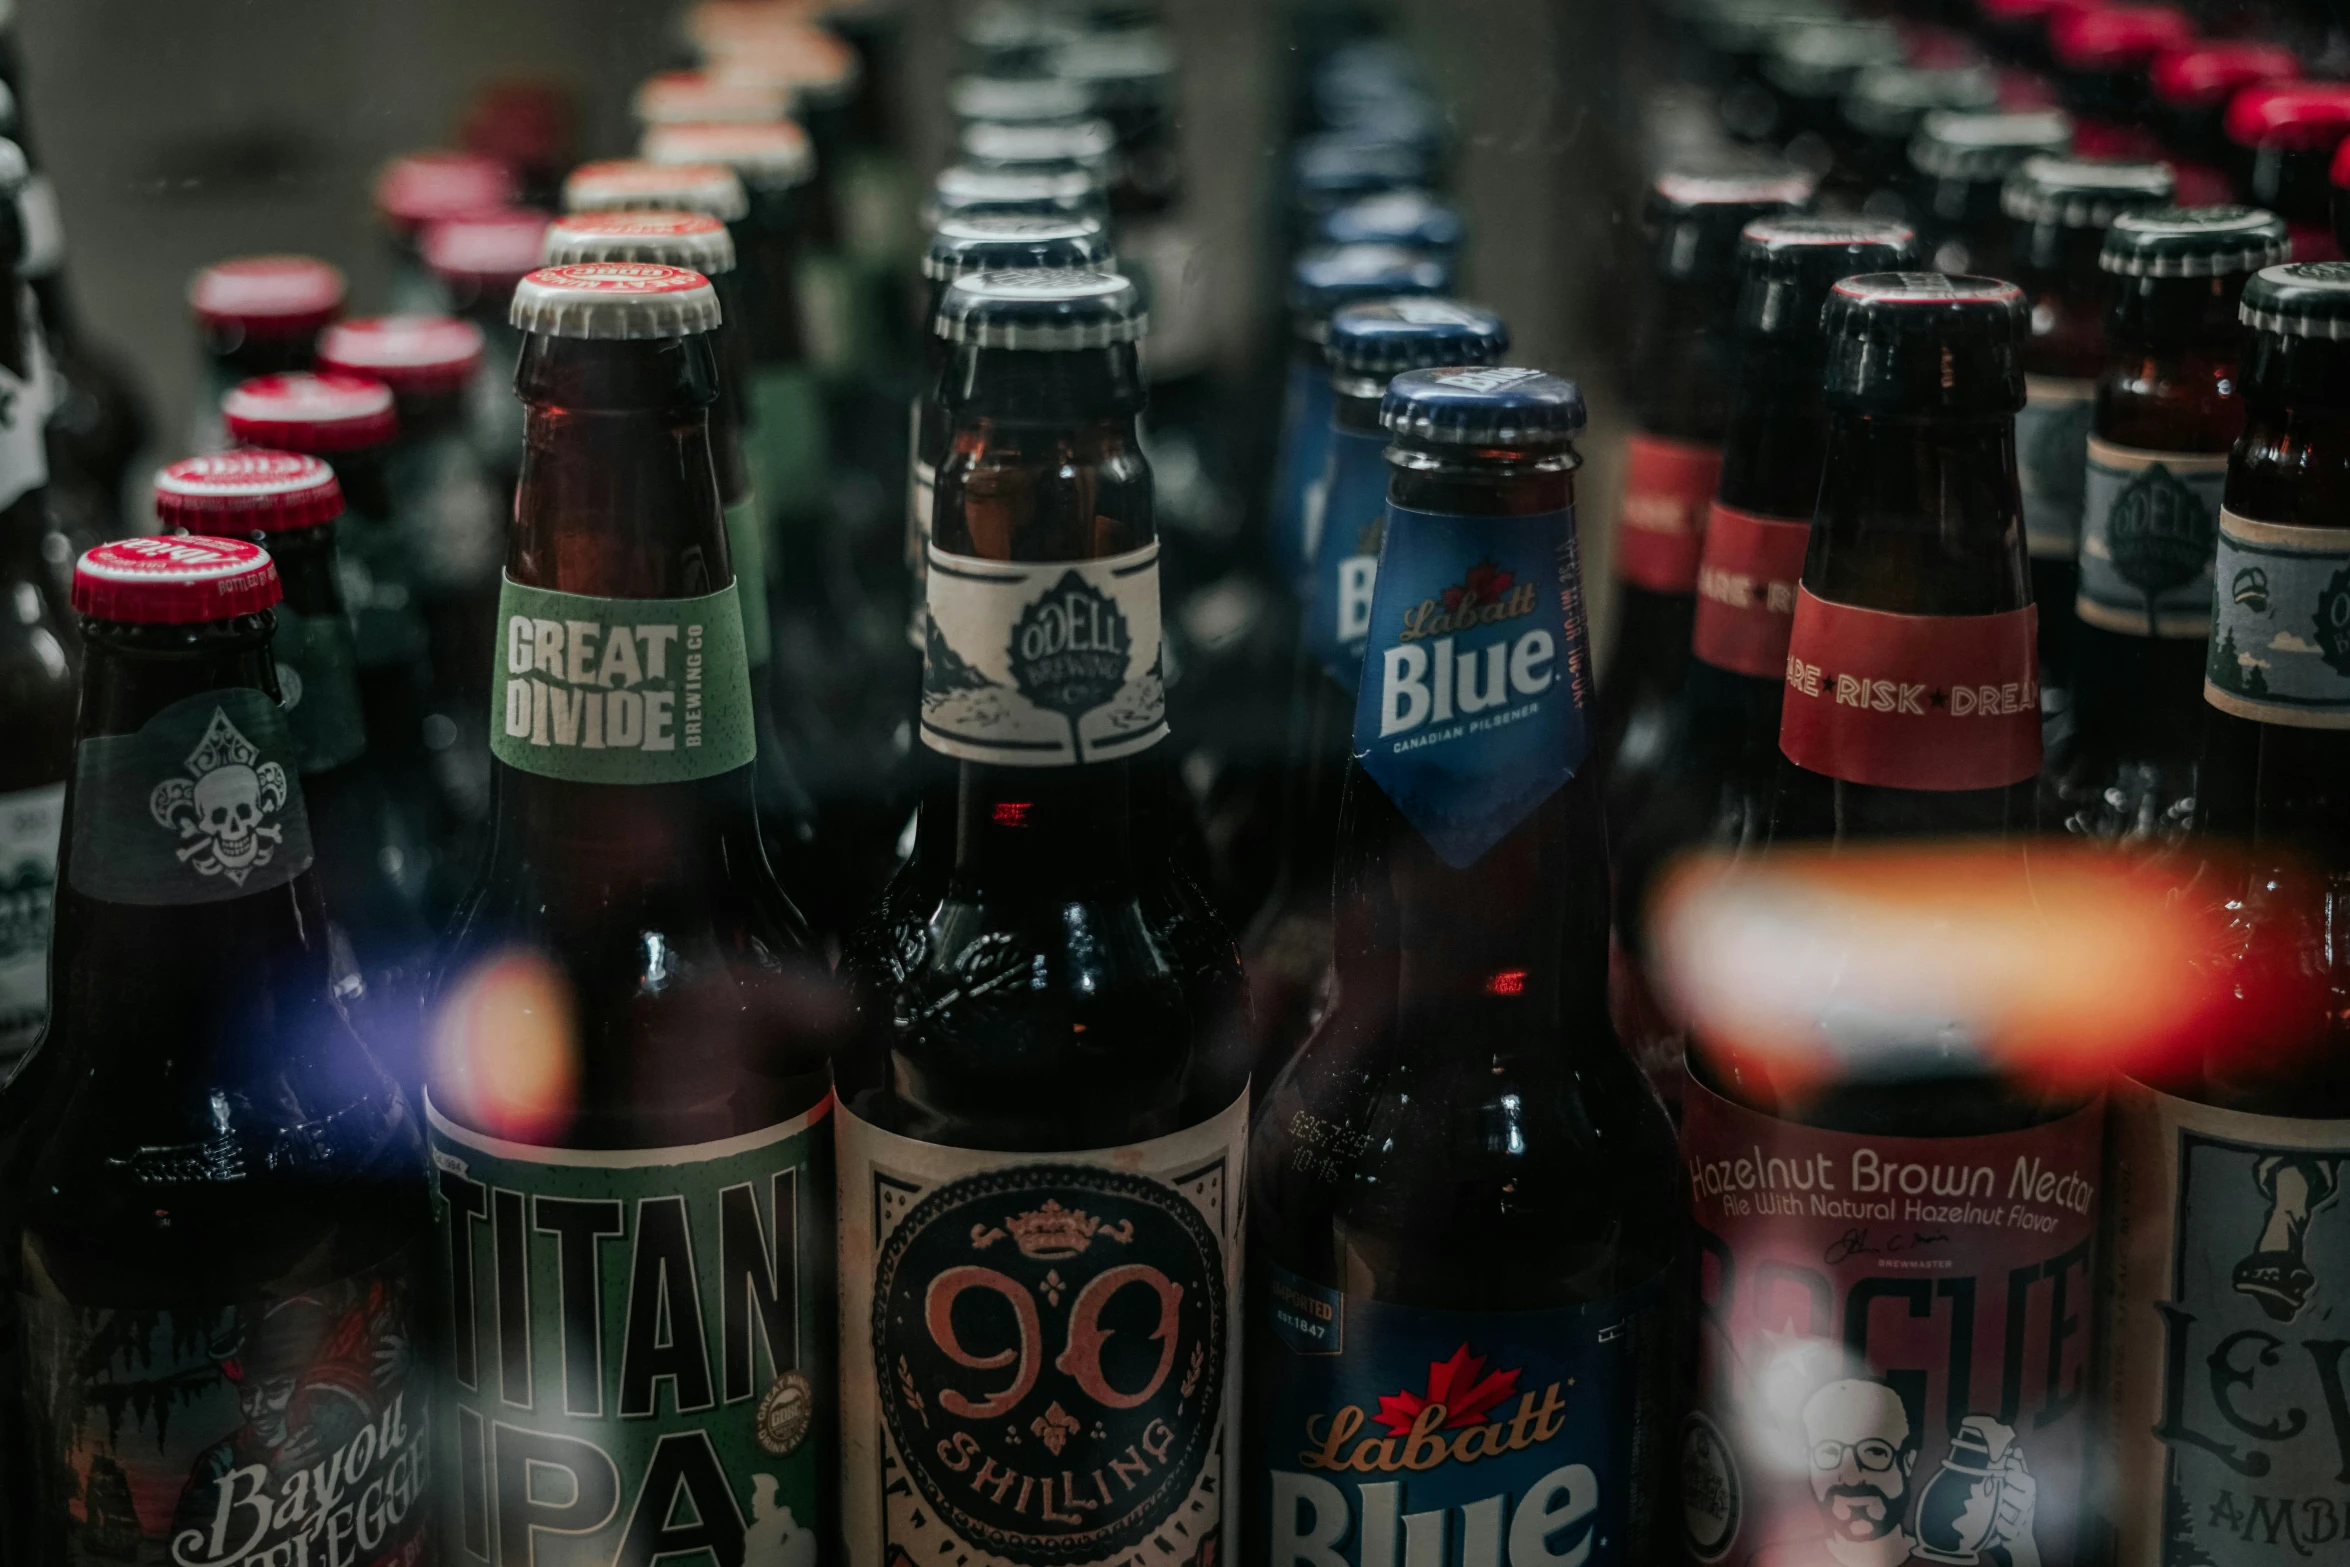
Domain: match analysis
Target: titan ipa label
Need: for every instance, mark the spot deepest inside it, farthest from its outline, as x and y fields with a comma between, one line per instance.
x=1894, y=1341
x=1660, y=523
x=2149, y=525
x=30, y=822
x=1038, y=1355
x=2280, y=624
x=2051, y=462
x=1347, y=539
x=638, y=1348
x=2228, y=1300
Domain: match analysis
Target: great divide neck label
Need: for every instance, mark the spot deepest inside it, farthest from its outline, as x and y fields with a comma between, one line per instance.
x=1043, y=663
x=1346, y=554
x=1660, y=522
x=2227, y=1283
x=1471, y=709
x=318, y=676
x=1894, y=1341
x=30, y=821
x=2051, y=461
x=1746, y=582
x=1302, y=464
x=1038, y=1351
x=1912, y=701
x=639, y=1348
x=2280, y=624
x=2149, y=525
x=621, y=691
x=202, y=804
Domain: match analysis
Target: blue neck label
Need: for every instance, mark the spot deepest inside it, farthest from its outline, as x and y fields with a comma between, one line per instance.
x=1346, y=554
x=1470, y=712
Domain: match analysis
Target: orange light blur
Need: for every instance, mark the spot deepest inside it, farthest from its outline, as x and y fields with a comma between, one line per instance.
x=504, y=1050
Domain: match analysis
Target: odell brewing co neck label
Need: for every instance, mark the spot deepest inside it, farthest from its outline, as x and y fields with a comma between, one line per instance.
x=1301, y=466
x=2149, y=525
x=638, y=1361
x=1746, y=582
x=1043, y=663
x=1346, y=554
x=30, y=821
x=2228, y=1311
x=202, y=804
x=1038, y=1359
x=273, y=1432
x=318, y=676
x=1395, y=1437
x=1660, y=523
x=2280, y=624
x=1471, y=711
x=1912, y=701
x=2051, y=456
x=621, y=691
x=1894, y=1341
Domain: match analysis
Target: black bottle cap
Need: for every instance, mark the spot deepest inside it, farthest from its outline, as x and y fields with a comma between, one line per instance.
x=1954, y=144
x=1388, y=336
x=1924, y=343
x=2299, y=299
x=1787, y=265
x=1332, y=275
x=2082, y=193
x=1697, y=210
x=1492, y=405
x=1892, y=100
x=963, y=245
x=1055, y=310
x=2194, y=242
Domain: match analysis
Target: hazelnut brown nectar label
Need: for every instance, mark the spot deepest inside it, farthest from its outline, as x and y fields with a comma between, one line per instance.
x=2149, y=526
x=1746, y=583
x=2280, y=624
x=1660, y=522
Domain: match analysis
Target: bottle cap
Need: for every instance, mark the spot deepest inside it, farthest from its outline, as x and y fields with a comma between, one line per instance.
x=304, y=412
x=960, y=188
x=267, y=296
x=420, y=355
x=963, y=245
x=815, y=67
x=1123, y=64
x=1489, y=405
x=1384, y=337
x=2082, y=193
x=2289, y=116
x=2115, y=37
x=766, y=154
x=247, y=492
x=1017, y=100
x=1411, y=218
x=1332, y=168
x=1891, y=100
x=1082, y=144
x=697, y=97
x=671, y=239
x=1820, y=59
x=424, y=187
x=2203, y=76
x=487, y=249
x=2299, y=299
x=615, y=301
x=2194, y=242
x=1953, y=144
x=1013, y=39
x=1787, y=265
x=1332, y=275
x=174, y=581
x=1046, y=310
x=633, y=184
x=1923, y=343
x=1698, y=208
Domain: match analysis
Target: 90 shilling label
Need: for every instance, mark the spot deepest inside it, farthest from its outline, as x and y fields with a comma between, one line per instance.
x=638, y=1361
x=621, y=691
x=1660, y=522
x=1038, y=1354
x=1346, y=554
x=2280, y=624
x=318, y=676
x=30, y=821
x=1894, y=1341
x=2149, y=525
x=2228, y=1328
x=1746, y=583
x=2051, y=461
x=1043, y=663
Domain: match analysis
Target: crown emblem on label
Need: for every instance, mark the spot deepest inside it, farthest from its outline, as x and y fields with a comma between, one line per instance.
x=1053, y=1232
x=222, y=808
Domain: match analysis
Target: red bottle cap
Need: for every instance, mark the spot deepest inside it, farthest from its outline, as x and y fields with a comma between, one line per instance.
x=488, y=248
x=621, y=184
x=301, y=412
x=424, y=187
x=2201, y=76
x=267, y=296
x=2117, y=37
x=419, y=355
x=692, y=97
x=2290, y=116
x=247, y=492
x=174, y=581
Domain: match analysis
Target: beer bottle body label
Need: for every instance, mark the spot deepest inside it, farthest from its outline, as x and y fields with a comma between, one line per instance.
x=2230, y=1249
x=620, y=691
x=2051, y=455
x=2149, y=525
x=30, y=823
x=1668, y=487
x=318, y=676
x=1038, y=1351
x=1895, y=1339
x=1346, y=554
x=638, y=1347
x=2280, y=624
x=1746, y=590
x=1043, y=663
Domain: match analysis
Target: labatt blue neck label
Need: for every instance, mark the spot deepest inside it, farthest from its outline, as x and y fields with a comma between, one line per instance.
x=1470, y=712
x=1346, y=554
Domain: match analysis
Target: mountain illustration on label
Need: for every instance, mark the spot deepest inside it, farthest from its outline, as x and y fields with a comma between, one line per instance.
x=943, y=669
x=1069, y=651
x=222, y=808
x=2333, y=622
x=2161, y=535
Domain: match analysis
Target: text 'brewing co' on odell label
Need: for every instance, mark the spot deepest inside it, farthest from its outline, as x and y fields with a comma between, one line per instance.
x=1471, y=709
x=620, y=691
x=1037, y=1350
x=1346, y=558
x=1043, y=663
x=1894, y=1340
x=2149, y=525
x=1746, y=582
x=1660, y=522
x=2227, y=1335
x=2051, y=456
x=1912, y=701
x=637, y=1348
x=2280, y=624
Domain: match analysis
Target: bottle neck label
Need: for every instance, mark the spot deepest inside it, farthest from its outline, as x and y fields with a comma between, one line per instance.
x=1043, y=663
x=30, y=821
x=1660, y=522
x=1299, y=469
x=2051, y=457
x=994, y=1404
x=202, y=804
x=24, y=411
x=1746, y=584
x=1896, y=1355
x=620, y=691
x=1471, y=711
x=318, y=675
x=1933, y=702
x=2280, y=633
x=2149, y=526
x=1353, y=521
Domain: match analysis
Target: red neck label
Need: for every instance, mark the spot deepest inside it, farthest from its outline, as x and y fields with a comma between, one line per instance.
x=1747, y=578
x=1668, y=485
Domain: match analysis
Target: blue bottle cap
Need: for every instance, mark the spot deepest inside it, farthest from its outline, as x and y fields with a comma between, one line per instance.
x=1494, y=405
x=1388, y=336
x=1334, y=275
x=1411, y=218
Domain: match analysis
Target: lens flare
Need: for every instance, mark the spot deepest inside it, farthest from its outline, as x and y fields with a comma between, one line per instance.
x=505, y=1050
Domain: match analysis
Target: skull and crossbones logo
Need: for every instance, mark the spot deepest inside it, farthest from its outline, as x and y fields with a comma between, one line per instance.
x=222, y=808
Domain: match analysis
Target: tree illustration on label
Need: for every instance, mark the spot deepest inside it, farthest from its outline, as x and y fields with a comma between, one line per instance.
x=2333, y=622
x=2162, y=537
x=1069, y=652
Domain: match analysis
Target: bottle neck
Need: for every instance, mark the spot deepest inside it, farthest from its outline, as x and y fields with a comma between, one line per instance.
x=1919, y=516
x=1057, y=831
x=305, y=561
x=2172, y=383
x=1683, y=342
x=767, y=251
x=1771, y=449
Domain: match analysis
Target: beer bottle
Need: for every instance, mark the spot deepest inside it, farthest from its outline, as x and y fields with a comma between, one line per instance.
x=1911, y=701
x=1083, y=144
x=2102, y=55
x=1412, y=219
x=1808, y=67
x=2282, y=138
x=474, y=262
x=1041, y=1124
x=693, y=97
x=1016, y=100
x=212, y=1199
x=1882, y=112
x=2191, y=86
x=1962, y=159
x=529, y=124
x=256, y=315
x=961, y=190
x=418, y=189
x=1463, y=1206
x=632, y=1144
x=635, y=184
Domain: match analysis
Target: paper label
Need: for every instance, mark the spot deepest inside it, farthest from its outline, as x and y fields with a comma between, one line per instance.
x=2051, y=461
x=2149, y=525
x=30, y=821
x=1299, y=467
x=1353, y=520
x=1660, y=522
x=2280, y=631
x=1746, y=582
x=318, y=676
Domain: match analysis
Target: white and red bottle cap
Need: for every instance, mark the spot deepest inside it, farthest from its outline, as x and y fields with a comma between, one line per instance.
x=672, y=239
x=420, y=355
x=632, y=184
x=427, y=187
x=816, y=67
x=691, y=97
x=766, y=153
x=267, y=296
x=250, y=491
x=485, y=248
x=615, y=300
x=302, y=412
x=176, y=580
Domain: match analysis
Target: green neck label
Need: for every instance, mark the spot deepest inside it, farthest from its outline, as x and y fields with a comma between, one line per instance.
x=318, y=671
x=620, y=691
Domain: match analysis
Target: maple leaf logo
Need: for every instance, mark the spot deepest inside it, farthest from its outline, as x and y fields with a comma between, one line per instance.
x=1460, y=1384
x=1485, y=584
